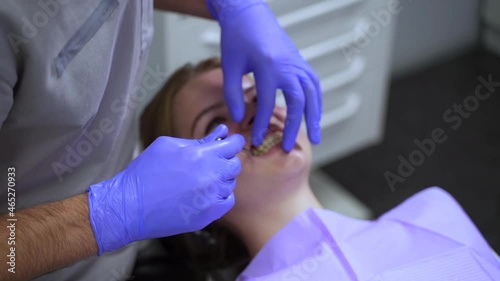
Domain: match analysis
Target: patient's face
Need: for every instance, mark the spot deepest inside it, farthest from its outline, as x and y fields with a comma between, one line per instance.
x=200, y=106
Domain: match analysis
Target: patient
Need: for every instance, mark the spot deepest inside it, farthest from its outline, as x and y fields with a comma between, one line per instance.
x=285, y=232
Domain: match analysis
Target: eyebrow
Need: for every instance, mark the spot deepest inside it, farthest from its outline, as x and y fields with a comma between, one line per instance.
x=205, y=111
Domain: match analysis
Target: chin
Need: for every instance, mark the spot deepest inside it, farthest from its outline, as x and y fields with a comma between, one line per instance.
x=297, y=163
x=265, y=179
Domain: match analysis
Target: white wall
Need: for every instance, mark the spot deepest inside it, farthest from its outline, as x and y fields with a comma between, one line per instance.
x=431, y=30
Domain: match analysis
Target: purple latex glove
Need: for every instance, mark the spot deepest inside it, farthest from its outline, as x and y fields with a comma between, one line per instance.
x=253, y=41
x=174, y=186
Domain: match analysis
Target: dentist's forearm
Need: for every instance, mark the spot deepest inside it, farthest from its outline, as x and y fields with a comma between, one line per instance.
x=190, y=7
x=47, y=237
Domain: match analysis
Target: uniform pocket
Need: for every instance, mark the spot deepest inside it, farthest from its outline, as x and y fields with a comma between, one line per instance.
x=83, y=35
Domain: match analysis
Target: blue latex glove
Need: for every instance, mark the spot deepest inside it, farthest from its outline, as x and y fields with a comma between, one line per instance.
x=253, y=41
x=174, y=186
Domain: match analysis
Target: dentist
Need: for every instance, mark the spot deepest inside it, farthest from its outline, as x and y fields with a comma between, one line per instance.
x=72, y=200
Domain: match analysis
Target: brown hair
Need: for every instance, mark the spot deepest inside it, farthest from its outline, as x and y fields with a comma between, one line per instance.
x=213, y=251
x=157, y=118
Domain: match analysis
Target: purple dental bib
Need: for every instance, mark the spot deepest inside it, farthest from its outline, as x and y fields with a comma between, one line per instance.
x=426, y=238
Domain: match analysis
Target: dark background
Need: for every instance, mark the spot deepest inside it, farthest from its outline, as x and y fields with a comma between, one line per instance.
x=467, y=164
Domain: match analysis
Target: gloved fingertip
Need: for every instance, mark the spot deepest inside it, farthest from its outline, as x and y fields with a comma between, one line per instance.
x=237, y=113
x=315, y=135
x=287, y=145
x=258, y=134
x=240, y=140
x=318, y=136
x=256, y=141
x=237, y=142
x=231, y=200
x=220, y=131
x=318, y=130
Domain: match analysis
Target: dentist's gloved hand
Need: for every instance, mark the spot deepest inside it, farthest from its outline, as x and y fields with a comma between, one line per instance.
x=174, y=186
x=253, y=41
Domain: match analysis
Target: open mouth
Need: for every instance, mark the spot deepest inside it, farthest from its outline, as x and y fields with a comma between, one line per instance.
x=269, y=142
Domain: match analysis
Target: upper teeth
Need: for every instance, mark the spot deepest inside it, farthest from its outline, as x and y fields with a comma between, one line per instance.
x=269, y=142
